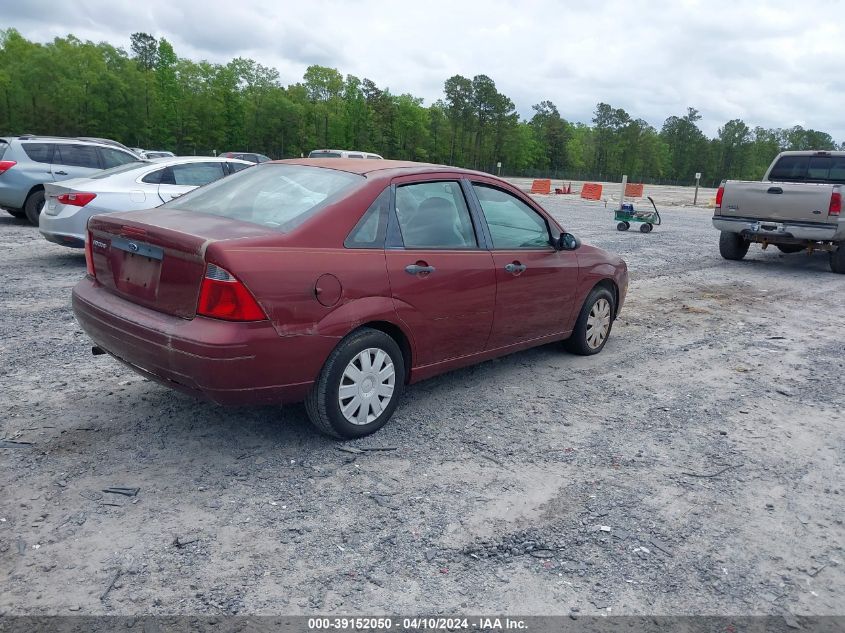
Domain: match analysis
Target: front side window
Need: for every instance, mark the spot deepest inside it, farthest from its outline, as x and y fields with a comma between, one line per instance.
x=276, y=195
x=115, y=158
x=512, y=223
x=434, y=215
x=196, y=174
x=77, y=156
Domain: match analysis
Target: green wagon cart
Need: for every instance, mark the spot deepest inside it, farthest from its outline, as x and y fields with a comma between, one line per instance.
x=627, y=214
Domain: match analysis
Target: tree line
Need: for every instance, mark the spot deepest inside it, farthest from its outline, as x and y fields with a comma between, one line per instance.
x=150, y=97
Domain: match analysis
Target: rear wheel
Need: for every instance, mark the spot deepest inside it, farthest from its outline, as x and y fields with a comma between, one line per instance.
x=732, y=245
x=837, y=259
x=646, y=228
x=359, y=386
x=17, y=213
x=33, y=205
x=623, y=226
x=592, y=329
x=790, y=248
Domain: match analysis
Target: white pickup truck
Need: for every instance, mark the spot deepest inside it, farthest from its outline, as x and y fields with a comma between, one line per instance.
x=797, y=206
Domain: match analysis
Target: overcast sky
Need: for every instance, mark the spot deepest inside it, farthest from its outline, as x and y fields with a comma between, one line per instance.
x=770, y=63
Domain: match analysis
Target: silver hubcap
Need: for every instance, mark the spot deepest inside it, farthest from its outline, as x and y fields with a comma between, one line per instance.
x=598, y=323
x=366, y=386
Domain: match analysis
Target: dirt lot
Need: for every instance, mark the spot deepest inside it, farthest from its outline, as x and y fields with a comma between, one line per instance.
x=695, y=466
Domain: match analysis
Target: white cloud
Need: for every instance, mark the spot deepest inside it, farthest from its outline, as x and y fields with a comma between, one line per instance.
x=772, y=63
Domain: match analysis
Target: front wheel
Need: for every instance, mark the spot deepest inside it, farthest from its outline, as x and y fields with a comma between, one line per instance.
x=33, y=205
x=732, y=245
x=646, y=228
x=359, y=386
x=837, y=259
x=592, y=329
x=623, y=226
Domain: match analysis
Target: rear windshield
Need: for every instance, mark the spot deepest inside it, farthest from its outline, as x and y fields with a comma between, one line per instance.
x=273, y=195
x=818, y=169
x=135, y=164
x=324, y=155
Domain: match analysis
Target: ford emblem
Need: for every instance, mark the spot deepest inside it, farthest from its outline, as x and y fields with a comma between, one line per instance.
x=133, y=247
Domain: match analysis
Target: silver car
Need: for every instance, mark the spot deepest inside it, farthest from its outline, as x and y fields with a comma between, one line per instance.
x=27, y=162
x=138, y=185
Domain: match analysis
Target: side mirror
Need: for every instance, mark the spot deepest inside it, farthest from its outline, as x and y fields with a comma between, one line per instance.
x=567, y=242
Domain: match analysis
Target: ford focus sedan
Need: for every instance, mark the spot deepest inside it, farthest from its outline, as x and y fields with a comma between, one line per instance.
x=339, y=282
x=136, y=185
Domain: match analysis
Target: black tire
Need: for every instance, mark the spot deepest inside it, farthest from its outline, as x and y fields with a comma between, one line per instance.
x=837, y=259
x=578, y=342
x=16, y=213
x=645, y=228
x=33, y=205
x=322, y=403
x=732, y=246
x=790, y=248
x=622, y=226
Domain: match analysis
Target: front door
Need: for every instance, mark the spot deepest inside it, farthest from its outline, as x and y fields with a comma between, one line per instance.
x=443, y=284
x=536, y=284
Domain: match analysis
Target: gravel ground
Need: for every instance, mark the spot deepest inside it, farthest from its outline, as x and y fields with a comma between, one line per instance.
x=694, y=467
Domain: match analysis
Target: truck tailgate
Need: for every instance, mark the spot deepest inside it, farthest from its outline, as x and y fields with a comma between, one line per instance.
x=780, y=201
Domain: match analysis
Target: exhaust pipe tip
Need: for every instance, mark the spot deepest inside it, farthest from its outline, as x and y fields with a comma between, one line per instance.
x=97, y=350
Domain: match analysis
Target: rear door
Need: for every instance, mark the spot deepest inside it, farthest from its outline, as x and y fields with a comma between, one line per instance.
x=442, y=281
x=75, y=160
x=536, y=284
x=180, y=179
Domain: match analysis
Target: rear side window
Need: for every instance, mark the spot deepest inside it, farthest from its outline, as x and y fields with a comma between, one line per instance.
x=159, y=176
x=275, y=195
x=77, y=156
x=115, y=158
x=196, y=174
x=354, y=156
x=434, y=215
x=370, y=230
x=39, y=152
x=324, y=155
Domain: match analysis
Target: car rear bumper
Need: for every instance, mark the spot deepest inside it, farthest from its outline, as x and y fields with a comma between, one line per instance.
x=65, y=224
x=783, y=230
x=221, y=361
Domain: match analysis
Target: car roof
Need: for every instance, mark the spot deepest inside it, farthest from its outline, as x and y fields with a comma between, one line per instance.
x=175, y=160
x=391, y=167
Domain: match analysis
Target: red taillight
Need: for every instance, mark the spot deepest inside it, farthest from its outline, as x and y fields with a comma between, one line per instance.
x=76, y=199
x=89, y=256
x=719, y=195
x=6, y=165
x=222, y=296
x=835, y=207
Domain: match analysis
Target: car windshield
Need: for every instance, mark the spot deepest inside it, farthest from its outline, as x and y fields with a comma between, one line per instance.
x=274, y=195
x=135, y=164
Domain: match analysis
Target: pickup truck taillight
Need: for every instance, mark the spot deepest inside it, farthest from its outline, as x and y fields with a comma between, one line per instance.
x=835, y=207
x=719, y=195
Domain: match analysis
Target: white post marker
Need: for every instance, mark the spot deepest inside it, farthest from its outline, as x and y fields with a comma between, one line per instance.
x=697, y=179
x=499, y=169
x=622, y=194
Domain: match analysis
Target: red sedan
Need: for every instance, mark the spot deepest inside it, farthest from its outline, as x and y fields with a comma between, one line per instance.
x=339, y=282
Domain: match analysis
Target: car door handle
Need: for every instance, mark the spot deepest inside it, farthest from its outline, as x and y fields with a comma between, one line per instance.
x=515, y=268
x=61, y=173
x=416, y=269
x=774, y=190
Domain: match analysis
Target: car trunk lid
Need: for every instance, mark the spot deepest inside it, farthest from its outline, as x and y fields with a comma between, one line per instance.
x=156, y=258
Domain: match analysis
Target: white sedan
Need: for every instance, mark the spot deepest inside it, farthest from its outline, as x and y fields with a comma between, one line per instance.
x=138, y=185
